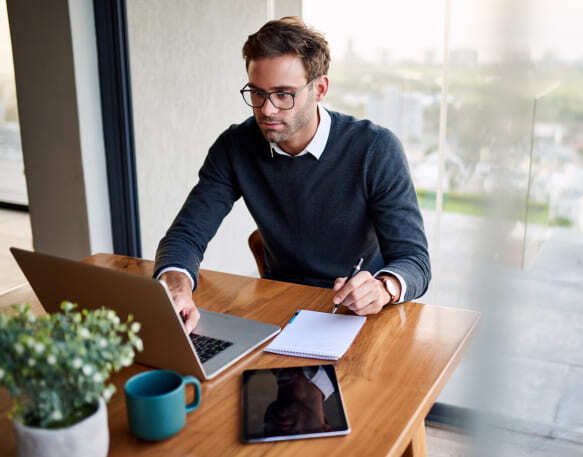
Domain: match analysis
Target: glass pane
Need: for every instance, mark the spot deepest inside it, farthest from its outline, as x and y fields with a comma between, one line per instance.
x=12, y=181
x=14, y=225
x=386, y=67
x=513, y=250
x=508, y=239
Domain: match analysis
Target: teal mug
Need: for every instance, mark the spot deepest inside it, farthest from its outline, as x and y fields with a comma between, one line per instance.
x=156, y=403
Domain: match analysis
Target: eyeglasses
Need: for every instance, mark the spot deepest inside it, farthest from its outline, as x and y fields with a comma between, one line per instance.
x=255, y=98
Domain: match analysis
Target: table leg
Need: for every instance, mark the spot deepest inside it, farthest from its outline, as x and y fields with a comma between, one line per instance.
x=418, y=446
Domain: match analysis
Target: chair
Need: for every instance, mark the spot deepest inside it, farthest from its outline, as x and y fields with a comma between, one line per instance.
x=256, y=246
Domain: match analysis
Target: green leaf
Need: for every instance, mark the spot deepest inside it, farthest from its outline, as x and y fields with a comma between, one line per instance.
x=43, y=358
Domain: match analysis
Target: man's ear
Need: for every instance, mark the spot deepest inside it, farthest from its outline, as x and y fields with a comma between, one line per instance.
x=320, y=87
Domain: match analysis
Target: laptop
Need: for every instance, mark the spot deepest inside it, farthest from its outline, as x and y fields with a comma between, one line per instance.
x=218, y=341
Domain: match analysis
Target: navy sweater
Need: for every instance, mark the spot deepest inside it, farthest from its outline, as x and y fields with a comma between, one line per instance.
x=316, y=217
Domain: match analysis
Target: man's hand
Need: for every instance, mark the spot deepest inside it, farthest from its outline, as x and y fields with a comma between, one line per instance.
x=180, y=288
x=363, y=294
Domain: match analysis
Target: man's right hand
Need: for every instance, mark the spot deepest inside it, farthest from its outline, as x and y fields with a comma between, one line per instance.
x=180, y=289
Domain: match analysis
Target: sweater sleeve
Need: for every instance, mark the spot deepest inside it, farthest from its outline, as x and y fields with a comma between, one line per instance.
x=394, y=208
x=206, y=206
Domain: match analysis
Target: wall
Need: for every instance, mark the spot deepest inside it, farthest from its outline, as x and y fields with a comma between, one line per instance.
x=186, y=72
x=57, y=88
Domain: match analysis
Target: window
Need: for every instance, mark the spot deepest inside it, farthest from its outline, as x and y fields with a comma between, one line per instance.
x=15, y=227
x=501, y=189
x=12, y=181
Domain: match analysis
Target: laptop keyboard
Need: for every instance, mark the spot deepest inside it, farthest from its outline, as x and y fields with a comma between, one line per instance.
x=207, y=347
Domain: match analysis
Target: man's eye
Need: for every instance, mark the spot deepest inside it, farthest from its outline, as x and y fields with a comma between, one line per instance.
x=281, y=95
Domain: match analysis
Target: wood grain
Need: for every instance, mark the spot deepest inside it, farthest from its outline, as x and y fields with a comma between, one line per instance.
x=418, y=445
x=20, y=295
x=390, y=377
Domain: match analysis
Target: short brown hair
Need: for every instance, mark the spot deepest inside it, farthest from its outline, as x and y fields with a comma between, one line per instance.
x=290, y=36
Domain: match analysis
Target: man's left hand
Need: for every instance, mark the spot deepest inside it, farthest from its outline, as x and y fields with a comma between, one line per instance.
x=363, y=294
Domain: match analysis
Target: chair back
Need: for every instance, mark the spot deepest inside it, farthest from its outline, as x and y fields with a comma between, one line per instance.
x=256, y=246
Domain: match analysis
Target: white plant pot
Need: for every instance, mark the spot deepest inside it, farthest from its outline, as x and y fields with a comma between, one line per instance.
x=88, y=438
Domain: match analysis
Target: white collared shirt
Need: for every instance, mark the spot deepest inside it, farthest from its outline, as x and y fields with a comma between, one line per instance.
x=318, y=143
x=321, y=380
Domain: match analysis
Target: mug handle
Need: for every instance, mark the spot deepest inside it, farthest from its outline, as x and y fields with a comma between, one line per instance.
x=196, y=402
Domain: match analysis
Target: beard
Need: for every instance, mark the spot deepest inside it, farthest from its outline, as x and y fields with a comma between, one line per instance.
x=289, y=127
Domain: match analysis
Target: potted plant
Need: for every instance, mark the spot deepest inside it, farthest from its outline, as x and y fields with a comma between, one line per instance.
x=56, y=369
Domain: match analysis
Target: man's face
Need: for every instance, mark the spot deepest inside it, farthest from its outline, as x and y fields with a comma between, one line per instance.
x=291, y=129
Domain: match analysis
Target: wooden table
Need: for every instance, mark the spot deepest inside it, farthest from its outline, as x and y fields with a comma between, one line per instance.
x=390, y=377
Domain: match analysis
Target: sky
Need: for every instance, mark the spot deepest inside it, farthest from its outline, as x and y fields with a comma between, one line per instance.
x=408, y=28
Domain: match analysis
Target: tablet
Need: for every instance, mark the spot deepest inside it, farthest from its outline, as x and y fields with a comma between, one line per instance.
x=292, y=403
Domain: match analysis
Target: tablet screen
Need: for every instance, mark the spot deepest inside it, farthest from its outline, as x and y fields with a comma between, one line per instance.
x=292, y=403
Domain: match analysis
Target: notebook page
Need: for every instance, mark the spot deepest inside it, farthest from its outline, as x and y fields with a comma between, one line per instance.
x=318, y=335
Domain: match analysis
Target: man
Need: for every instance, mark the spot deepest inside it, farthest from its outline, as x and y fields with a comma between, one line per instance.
x=299, y=405
x=324, y=188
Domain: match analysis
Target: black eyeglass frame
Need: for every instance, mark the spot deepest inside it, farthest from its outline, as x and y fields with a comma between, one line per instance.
x=267, y=95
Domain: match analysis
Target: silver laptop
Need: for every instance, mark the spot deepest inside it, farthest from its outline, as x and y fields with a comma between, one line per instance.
x=218, y=341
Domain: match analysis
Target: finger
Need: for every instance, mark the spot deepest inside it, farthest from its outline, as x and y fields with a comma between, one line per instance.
x=373, y=303
x=345, y=290
x=361, y=290
x=366, y=308
x=192, y=316
x=360, y=278
x=374, y=308
x=360, y=299
x=351, y=285
x=339, y=282
x=350, y=301
x=180, y=303
x=188, y=311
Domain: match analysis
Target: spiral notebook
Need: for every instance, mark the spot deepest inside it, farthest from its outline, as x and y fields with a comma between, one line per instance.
x=317, y=335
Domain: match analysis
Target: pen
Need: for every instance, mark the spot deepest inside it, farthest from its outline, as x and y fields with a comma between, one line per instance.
x=355, y=270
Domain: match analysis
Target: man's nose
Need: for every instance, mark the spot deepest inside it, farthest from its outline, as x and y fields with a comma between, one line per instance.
x=268, y=108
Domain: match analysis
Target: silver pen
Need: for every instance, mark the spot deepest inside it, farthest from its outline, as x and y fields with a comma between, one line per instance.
x=355, y=270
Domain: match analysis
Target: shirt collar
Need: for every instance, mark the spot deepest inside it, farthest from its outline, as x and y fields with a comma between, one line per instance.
x=321, y=380
x=318, y=143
